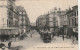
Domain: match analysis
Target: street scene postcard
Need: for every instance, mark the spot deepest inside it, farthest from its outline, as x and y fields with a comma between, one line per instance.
x=39, y=25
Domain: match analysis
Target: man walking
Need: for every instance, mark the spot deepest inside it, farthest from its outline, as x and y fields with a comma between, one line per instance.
x=9, y=45
x=63, y=37
x=31, y=34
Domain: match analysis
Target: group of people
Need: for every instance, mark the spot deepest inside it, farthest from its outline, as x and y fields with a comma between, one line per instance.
x=4, y=47
x=21, y=35
x=53, y=33
x=45, y=31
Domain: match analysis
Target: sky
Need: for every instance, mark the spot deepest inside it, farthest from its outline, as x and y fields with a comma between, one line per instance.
x=35, y=8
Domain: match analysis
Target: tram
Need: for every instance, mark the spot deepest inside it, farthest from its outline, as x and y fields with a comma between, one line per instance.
x=46, y=36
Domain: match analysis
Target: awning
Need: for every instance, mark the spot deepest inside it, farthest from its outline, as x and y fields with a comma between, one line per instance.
x=8, y=28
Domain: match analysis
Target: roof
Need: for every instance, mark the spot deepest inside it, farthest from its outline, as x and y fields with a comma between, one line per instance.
x=19, y=8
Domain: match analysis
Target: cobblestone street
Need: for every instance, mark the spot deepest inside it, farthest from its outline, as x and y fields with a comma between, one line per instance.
x=36, y=43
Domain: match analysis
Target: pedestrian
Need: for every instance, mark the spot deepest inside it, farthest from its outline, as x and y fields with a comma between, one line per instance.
x=18, y=36
x=58, y=32
x=49, y=34
x=63, y=37
x=21, y=36
x=31, y=34
x=25, y=35
x=73, y=35
x=53, y=33
x=73, y=40
x=42, y=32
x=22, y=32
x=15, y=37
x=9, y=44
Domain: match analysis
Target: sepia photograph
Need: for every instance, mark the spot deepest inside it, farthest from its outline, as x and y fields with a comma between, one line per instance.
x=39, y=25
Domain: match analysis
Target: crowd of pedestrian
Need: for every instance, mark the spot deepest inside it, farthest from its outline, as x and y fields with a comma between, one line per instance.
x=64, y=33
x=22, y=35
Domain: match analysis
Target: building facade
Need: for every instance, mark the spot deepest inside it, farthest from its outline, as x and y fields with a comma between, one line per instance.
x=8, y=7
x=54, y=20
x=12, y=20
x=41, y=22
x=23, y=20
x=73, y=16
x=8, y=22
x=3, y=18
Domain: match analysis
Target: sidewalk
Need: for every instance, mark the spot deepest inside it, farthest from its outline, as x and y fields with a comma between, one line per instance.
x=35, y=41
x=59, y=39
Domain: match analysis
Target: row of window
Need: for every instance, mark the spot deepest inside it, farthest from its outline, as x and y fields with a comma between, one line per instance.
x=53, y=19
x=22, y=13
x=73, y=14
x=53, y=24
x=11, y=24
x=22, y=26
x=72, y=22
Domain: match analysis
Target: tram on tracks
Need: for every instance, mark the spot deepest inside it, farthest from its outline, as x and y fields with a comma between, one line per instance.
x=46, y=36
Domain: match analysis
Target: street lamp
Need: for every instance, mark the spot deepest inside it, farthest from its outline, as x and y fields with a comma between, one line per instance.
x=3, y=21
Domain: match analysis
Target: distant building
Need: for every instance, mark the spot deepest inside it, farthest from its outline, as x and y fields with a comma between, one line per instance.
x=56, y=19
x=23, y=20
x=41, y=22
x=62, y=20
x=53, y=20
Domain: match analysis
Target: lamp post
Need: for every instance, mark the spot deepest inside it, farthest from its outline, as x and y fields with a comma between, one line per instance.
x=3, y=21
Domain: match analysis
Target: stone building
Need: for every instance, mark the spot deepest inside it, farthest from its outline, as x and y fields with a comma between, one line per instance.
x=23, y=20
x=56, y=19
x=9, y=19
x=12, y=20
x=73, y=16
x=53, y=20
x=41, y=22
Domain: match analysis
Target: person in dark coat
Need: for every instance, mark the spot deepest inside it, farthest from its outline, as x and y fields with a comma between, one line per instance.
x=63, y=37
x=22, y=36
x=9, y=44
x=53, y=33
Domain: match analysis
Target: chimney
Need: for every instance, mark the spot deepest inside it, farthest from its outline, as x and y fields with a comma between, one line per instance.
x=55, y=8
x=66, y=10
x=59, y=9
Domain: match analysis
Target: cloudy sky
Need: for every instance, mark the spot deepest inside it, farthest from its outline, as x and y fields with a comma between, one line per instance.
x=38, y=7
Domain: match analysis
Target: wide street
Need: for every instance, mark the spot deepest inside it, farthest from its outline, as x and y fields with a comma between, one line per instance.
x=36, y=43
x=28, y=25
